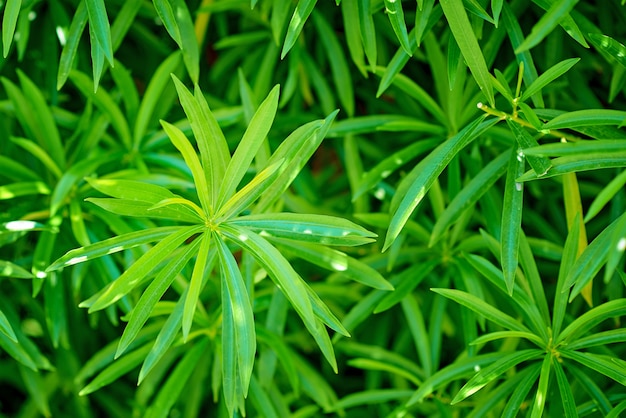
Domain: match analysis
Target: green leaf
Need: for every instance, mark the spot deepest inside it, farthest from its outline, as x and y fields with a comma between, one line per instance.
x=460, y=368
x=570, y=253
x=153, y=95
x=101, y=31
x=576, y=163
x=6, y=328
x=296, y=150
x=512, y=218
x=134, y=274
x=541, y=165
x=415, y=185
x=609, y=47
x=321, y=229
x=578, y=148
x=606, y=195
x=116, y=370
x=606, y=365
x=410, y=279
x=300, y=15
x=587, y=117
x=547, y=23
x=338, y=65
x=368, y=31
x=390, y=164
x=176, y=18
x=252, y=139
x=8, y=269
x=142, y=199
x=167, y=334
x=493, y=371
x=334, y=260
x=592, y=259
x=153, y=293
x=542, y=387
x=251, y=191
x=188, y=152
x=235, y=299
x=548, y=77
x=68, y=54
x=196, y=282
x=482, y=308
x=172, y=389
x=461, y=28
x=112, y=245
x=394, y=11
x=469, y=195
x=37, y=389
x=591, y=318
x=615, y=412
x=213, y=148
x=279, y=269
x=9, y=21
x=14, y=190
x=565, y=388
x=105, y=103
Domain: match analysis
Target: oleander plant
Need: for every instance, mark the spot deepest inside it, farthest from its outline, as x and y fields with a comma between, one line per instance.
x=292, y=208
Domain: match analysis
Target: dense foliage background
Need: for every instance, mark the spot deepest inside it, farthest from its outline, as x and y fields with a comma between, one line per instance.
x=278, y=208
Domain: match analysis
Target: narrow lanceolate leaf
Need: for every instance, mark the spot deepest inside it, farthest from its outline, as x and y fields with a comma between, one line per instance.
x=321, y=229
x=580, y=148
x=587, y=117
x=300, y=16
x=493, y=371
x=479, y=306
x=584, y=323
x=188, y=152
x=99, y=21
x=236, y=299
x=609, y=46
x=214, y=153
x=176, y=383
x=565, y=388
x=389, y=165
x=336, y=261
x=450, y=373
x=40, y=119
x=608, y=366
x=134, y=274
x=112, y=245
x=550, y=75
x=415, y=185
x=338, y=64
x=251, y=191
x=470, y=194
x=195, y=284
x=106, y=104
x=6, y=328
x=279, y=269
x=246, y=150
x=576, y=163
x=9, y=21
x=396, y=17
x=548, y=22
x=570, y=253
x=116, y=370
x=540, y=164
x=71, y=45
x=512, y=218
x=593, y=258
x=542, y=388
x=153, y=293
x=461, y=28
x=296, y=150
x=368, y=31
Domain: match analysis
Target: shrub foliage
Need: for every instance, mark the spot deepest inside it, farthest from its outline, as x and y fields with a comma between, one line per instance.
x=283, y=208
